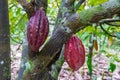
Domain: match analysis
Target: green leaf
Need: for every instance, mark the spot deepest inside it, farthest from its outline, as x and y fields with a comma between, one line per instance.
x=112, y=67
x=96, y=2
x=29, y=66
x=55, y=72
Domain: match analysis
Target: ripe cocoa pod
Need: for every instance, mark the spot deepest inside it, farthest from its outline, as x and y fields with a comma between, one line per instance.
x=37, y=30
x=74, y=53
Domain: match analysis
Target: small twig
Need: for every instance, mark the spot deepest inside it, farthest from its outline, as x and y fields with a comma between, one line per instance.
x=18, y=48
x=109, y=20
x=78, y=5
x=115, y=24
x=22, y=2
x=106, y=31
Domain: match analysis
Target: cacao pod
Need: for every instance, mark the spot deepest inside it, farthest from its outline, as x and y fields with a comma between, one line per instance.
x=74, y=53
x=96, y=45
x=37, y=30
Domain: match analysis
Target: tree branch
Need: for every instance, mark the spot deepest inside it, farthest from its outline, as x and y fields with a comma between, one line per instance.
x=66, y=9
x=92, y=15
x=32, y=6
x=106, y=31
x=22, y=2
x=28, y=7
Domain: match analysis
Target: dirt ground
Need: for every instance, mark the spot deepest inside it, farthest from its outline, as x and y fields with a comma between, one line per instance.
x=100, y=68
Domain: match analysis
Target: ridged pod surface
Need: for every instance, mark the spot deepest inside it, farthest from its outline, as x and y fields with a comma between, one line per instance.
x=74, y=53
x=37, y=30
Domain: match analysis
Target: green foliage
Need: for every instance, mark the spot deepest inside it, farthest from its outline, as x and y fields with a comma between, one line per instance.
x=112, y=67
x=18, y=21
x=52, y=11
x=116, y=45
x=55, y=72
x=29, y=66
x=117, y=34
x=57, y=65
x=95, y=2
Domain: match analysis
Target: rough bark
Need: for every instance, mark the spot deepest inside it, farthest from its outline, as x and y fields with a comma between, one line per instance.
x=70, y=24
x=4, y=42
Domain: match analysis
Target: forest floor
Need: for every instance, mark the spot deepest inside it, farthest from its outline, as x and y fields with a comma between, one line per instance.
x=101, y=63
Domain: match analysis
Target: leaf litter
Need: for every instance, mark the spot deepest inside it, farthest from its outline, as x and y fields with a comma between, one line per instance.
x=100, y=68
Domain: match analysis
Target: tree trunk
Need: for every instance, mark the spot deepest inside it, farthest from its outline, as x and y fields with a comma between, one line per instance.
x=4, y=41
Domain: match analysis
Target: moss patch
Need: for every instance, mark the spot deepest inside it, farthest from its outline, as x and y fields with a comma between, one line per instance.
x=87, y=15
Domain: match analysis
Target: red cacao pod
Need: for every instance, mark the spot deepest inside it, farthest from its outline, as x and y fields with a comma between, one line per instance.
x=74, y=53
x=37, y=30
